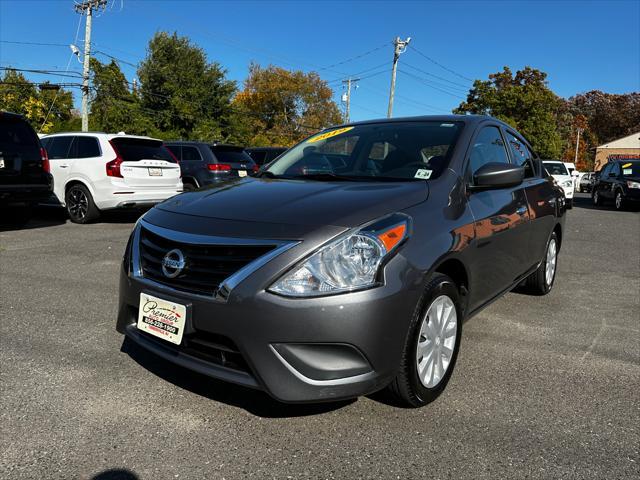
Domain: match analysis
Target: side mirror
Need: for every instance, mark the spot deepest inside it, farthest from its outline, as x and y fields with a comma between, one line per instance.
x=498, y=175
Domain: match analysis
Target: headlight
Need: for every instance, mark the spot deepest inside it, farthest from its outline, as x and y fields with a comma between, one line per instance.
x=631, y=184
x=348, y=263
x=567, y=183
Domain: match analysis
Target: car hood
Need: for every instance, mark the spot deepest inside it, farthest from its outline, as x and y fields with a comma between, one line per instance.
x=561, y=178
x=298, y=202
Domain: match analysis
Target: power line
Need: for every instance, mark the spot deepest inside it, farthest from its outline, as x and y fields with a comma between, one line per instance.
x=466, y=87
x=356, y=57
x=440, y=65
x=429, y=84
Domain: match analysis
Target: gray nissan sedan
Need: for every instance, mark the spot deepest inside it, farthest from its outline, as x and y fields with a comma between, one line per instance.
x=348, y=264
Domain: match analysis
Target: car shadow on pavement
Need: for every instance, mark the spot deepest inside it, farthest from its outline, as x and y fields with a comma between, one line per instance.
x=116, y=474
x=255, y=402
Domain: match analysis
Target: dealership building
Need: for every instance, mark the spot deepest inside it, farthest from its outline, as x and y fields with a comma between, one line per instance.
x=625, y=148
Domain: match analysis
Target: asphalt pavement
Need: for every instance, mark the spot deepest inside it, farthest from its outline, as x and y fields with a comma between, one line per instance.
x=544, y=387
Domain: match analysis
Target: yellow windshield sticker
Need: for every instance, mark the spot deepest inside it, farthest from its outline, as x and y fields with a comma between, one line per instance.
x=332, y=133
x=627, y=165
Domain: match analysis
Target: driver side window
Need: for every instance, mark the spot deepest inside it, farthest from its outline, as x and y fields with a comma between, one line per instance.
x=489, y=147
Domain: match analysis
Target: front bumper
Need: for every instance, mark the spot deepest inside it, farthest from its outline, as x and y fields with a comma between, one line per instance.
x=297, y=350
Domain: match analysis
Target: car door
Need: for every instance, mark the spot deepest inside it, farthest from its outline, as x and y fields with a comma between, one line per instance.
x=501, y=218
x=191, y=162
x=541, y=199
x=89, y=166
x=609, y=180
x=59, y=149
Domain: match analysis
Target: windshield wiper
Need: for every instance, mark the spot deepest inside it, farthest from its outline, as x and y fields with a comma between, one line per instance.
x=329, y=176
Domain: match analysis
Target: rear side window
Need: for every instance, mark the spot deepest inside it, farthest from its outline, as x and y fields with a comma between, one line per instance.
x=488, y=148
x=87, y=147
x=190, y=153
x=58, y=147
x=136, y=149
x=16, y=132
x=231, y=154
x=521, y=155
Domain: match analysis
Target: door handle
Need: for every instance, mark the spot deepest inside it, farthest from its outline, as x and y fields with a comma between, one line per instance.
x=63, y=166
x=522, y=210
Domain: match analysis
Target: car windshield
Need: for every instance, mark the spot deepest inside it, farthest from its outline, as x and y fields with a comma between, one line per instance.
x=556, y=168
x=631, y=169
x=384, y=151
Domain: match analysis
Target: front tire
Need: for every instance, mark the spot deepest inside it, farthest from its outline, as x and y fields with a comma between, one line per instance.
x=432, y=344
x=619, y=201
x=596, y=197
x=80, y=205
x=541, y=281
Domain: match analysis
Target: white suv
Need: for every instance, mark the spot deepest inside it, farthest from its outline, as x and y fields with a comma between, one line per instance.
x=558, y=170
x=95, y=171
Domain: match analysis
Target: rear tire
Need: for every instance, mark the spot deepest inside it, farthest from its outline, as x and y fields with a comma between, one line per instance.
x=80, y=205
x=541, y=281
x=431, y=347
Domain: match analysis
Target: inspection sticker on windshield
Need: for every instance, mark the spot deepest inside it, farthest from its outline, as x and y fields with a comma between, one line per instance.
x=162, y=318
x=423, y=173
x=332, y=133
x=627, y=171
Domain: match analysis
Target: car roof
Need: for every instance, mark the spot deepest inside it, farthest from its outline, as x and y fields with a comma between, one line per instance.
x=198, y=142
x=265, y=148
x=468, y=119
x=109, y=136
x=11, y=115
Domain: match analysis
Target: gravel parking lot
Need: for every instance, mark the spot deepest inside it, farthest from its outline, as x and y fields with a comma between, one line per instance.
x=544, y=386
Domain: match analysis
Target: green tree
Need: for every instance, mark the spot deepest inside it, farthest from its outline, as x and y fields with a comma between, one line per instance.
x=282, y=106
x=525, y=102
x=114, y=107
x=190, y=97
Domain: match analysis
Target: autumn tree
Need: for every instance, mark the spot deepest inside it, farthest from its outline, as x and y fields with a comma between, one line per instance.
x=524, y=101
x=283, y=106
x=48, y=107
x=189, y=97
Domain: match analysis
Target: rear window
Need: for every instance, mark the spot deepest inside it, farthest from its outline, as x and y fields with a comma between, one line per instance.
x=231, y=154
x=135, y=149
x=17, y=132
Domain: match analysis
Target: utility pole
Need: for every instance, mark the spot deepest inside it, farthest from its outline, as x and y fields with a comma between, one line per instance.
x=87, y=6
x=349, y=81
x=575, y=160
x=399, y=47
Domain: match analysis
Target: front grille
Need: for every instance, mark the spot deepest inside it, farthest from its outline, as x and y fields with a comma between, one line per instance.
x=210, y=347
x=206, y=266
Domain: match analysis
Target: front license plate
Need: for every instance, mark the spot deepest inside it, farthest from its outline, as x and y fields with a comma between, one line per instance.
x=162, y=318
x=242, y=173
x=155, y=172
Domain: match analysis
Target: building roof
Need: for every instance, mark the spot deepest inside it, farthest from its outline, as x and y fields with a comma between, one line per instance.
x=631, y=141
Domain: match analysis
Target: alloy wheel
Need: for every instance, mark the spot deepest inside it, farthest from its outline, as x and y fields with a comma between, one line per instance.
x=618, y=201
x=437, y=341
x=78, y=203
x=595, y=197
x=550, y=267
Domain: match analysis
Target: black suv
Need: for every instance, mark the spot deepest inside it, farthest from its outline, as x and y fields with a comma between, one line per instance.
x=619, y=181
x=205, y=163
x=264, y=155
x=24, y=169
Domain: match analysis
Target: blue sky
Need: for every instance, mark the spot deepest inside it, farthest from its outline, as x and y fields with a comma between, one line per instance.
x=581, y=45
